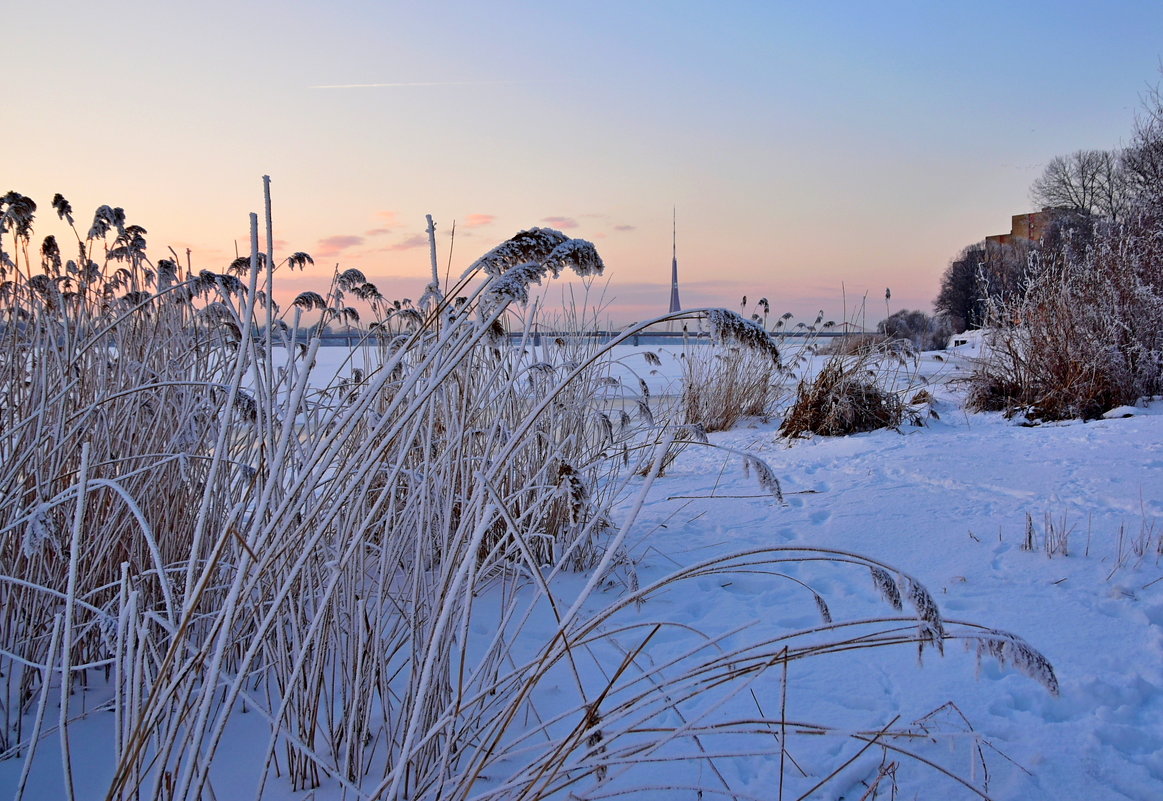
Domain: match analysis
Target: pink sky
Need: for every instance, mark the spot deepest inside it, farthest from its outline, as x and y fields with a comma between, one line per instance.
x=806, y=148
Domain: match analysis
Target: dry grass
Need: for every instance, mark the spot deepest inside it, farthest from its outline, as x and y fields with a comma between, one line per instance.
x=723, y=385
x=372, y=567
x=744, y=370
x=855, y=344
x=852, y=394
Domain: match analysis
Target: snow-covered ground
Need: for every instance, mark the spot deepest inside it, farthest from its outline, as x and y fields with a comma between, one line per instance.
x=948, y=504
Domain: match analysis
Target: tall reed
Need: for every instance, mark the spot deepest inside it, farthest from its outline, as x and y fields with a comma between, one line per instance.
x=194, y=525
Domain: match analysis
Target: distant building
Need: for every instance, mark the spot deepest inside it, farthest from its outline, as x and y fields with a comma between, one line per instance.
x=1032, y=227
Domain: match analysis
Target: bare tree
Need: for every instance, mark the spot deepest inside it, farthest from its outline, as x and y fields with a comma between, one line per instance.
x=1143, y=160
x=1092, y=181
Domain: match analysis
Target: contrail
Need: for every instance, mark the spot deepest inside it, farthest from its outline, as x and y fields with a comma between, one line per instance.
x=414, y=83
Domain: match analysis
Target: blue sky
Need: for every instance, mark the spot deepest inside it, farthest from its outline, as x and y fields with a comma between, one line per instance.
x=806, y=146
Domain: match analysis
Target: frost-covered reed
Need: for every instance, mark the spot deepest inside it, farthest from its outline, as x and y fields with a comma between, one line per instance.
x=399, y=572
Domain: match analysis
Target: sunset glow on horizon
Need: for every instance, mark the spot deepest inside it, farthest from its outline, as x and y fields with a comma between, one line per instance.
x=815, y=153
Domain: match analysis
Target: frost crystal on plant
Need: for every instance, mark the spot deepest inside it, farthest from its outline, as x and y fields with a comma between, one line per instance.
x=644, y=413
x=310, y=301
x=534, y=245
x=692, y=432
x=727, y=326
x=38, y=532
x=106, y=218
x=887, y=587
x=822, y=605
x=932, y=628
x=513, y=285
x=527, y=257
x=763, y=474
x=578, y=255
x=1009, y=650
x=63, y=208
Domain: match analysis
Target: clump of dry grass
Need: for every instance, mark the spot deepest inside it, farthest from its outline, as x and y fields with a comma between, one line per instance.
x=852, y=394
x=743, y=371
x=734, y=375
x=854, y=344
x=723, y=385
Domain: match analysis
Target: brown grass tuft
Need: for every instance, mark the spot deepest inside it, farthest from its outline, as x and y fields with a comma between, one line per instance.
x=841, y=400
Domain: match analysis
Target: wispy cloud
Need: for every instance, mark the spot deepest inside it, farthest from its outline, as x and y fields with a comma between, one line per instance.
x=625, y=228
x=561, y=222
x=477, y=220
x=414, y=241
x=387, y=219
x=334, y=245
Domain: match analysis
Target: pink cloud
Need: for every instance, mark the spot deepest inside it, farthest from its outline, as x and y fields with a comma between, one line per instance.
x=414, y=241
x=477, y=220
x=377, y=232
x=625, y=228
x=333, y=245
x=388, y=217
x=561, y=222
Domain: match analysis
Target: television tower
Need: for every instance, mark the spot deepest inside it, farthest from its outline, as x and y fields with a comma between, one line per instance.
x=675, y=306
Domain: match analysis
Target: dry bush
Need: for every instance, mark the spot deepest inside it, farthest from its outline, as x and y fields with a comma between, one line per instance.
x=1085, y=336
x=851, y=394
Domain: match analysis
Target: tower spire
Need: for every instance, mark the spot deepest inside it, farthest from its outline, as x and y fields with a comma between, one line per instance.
x=675, y=306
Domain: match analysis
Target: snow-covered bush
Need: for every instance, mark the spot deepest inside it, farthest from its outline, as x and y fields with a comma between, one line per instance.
x=1086, y=334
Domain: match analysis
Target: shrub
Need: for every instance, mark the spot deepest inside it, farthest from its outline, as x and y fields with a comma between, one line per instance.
x=851, y=394
x=1085, y=335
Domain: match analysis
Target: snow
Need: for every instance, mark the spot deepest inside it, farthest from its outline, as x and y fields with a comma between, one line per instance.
x=949, y=504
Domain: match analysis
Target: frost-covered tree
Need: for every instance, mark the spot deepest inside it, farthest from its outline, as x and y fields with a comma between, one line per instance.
x=958, y=296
